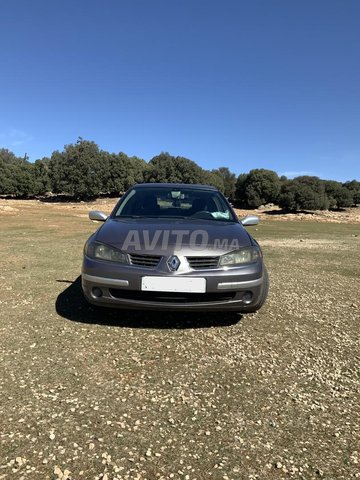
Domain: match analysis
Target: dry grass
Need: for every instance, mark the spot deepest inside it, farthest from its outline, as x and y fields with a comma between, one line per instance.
x=133, y=395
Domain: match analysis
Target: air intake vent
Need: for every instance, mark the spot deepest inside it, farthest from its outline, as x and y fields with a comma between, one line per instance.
x=172, y=297
x=150, y=261
x=199, y=263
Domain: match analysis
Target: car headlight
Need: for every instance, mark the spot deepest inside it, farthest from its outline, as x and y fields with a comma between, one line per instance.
x=240, y=257
x=105, y=252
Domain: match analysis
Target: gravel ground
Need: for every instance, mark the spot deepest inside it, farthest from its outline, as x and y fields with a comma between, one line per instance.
x=131, y=395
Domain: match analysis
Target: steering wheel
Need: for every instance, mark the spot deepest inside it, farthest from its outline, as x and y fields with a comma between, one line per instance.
x=202, y=214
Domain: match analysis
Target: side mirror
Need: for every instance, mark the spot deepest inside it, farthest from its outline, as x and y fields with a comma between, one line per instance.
x=98, y=216
x=250, y=220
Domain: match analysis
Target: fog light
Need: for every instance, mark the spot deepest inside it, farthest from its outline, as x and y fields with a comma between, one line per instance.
x=247, y=297
x=97, y=292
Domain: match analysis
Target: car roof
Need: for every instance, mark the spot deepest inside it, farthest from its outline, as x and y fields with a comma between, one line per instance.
x=194, y=186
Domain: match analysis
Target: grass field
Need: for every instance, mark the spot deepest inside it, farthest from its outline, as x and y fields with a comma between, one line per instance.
x=119, y=395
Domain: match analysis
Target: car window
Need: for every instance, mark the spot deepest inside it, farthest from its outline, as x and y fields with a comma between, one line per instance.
x=174, y=203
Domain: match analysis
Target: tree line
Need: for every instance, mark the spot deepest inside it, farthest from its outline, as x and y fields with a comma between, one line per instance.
x=82, y=171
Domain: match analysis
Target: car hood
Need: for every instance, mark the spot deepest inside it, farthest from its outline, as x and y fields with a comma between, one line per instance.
x=160, y=236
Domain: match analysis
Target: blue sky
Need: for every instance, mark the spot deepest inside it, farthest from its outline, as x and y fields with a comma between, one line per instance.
x=245, y=84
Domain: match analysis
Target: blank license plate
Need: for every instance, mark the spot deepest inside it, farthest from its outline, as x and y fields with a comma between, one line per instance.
x=173, y=284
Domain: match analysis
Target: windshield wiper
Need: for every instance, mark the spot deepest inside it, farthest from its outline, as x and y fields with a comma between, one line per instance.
x=171, y=216
x=159, y=217
x=195, y=219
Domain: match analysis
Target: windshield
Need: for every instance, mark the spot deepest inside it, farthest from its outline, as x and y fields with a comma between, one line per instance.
x=161, y=202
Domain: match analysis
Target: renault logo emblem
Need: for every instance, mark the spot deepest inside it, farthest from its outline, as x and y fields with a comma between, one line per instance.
x=173, y=263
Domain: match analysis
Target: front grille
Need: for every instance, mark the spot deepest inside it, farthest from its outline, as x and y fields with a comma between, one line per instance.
x=150, y=261
x=198, y=263
x=172, y=297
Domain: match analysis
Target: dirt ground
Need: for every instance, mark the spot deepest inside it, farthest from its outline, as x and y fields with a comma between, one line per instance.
x=348, y=215
x=118, y=395
x=267, y=212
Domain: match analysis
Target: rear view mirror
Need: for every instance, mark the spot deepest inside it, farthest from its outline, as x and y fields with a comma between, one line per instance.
x=250, y=220
x=98, y=216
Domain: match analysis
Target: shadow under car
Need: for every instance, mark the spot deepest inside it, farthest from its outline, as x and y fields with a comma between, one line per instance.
x=71, y=305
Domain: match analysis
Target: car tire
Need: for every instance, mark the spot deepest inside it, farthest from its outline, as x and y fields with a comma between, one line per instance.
x=263, y=296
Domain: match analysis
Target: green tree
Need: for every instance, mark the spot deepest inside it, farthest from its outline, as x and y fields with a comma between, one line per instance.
x=16, y=175
x=78, y=170
x=240, y=190
x=165, y=168
x=228, y=180
x=42, y=182
x=354, y=188
x=6, y=179
x=214, y=179
x=258, y=187
x=303, y=193
x=338, y=195
x=123, y=172
x=287, y=197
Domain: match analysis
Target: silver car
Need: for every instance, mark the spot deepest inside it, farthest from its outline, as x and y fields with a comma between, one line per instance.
x=174, y=247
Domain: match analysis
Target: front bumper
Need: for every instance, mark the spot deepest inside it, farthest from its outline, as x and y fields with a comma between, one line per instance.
x=235, y=289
